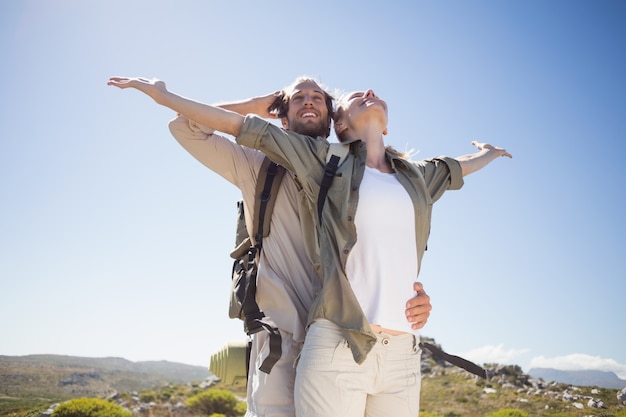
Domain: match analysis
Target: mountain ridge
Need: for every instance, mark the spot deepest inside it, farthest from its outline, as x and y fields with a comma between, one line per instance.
x=61, y=376
x=602, y=379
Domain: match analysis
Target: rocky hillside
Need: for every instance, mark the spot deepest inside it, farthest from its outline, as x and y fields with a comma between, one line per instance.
x=450, y=391
x=161, y=388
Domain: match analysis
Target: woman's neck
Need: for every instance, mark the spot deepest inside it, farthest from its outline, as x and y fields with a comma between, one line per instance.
x=377, y=157
x=372, y=135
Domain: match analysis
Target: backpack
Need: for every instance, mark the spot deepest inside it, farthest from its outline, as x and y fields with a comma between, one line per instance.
x=247, y=251
x=246, y=256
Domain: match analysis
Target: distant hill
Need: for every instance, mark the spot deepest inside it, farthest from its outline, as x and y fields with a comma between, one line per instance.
x=600, y=379
x=58, y=376
x=30, y=385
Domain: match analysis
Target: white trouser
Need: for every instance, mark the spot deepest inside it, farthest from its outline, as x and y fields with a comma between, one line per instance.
x=329, y=383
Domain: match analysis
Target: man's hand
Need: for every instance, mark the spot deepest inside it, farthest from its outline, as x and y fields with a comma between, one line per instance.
x=267, y=106
x=151, y=87
x=418, y=308
x=213, y=117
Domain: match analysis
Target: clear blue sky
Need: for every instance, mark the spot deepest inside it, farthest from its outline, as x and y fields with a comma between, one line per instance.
x=114, y=241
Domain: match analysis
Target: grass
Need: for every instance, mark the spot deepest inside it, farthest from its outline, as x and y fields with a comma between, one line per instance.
x=457, y=394
x=24, y=407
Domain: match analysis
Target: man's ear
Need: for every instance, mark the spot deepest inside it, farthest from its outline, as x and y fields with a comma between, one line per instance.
x=285, y=123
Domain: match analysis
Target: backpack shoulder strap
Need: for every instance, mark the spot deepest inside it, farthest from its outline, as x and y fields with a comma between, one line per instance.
x=340, y=150
x=242, y=239
x=334, y=158
x=268, y=182
x=455, y=360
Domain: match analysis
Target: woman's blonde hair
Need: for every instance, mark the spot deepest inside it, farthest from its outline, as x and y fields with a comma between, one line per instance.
x=402, y=155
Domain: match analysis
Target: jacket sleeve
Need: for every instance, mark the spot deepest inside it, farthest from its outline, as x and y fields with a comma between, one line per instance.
x=441, y=174
x=303, y=155
x=221, y=155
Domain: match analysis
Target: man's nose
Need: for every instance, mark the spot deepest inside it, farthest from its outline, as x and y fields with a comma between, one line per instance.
x=370, y=93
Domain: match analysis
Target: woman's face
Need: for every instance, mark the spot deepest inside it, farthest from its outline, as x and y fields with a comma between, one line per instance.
x=361, y=106
x=365, y=107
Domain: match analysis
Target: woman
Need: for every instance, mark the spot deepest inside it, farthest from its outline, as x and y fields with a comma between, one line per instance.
x=360, y=357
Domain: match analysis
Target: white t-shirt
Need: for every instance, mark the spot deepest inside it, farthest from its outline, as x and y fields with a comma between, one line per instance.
x=382, y=265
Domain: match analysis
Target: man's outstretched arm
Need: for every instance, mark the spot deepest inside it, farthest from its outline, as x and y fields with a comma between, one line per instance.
x=214, y=117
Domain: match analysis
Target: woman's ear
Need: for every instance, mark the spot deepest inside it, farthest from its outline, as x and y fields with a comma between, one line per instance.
x=340, y=127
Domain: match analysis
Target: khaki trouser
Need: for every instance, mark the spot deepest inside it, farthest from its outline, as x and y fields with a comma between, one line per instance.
x=329, y=383
x=271, y=395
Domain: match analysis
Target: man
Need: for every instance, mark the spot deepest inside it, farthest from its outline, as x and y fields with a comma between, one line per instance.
x=287, y=283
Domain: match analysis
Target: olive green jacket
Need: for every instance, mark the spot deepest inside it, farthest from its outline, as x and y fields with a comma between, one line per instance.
x=329, y=242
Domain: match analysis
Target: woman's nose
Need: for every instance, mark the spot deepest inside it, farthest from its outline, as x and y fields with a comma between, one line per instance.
x=370, y=93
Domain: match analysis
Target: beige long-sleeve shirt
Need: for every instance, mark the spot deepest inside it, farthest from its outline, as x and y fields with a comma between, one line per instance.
x=286, y=281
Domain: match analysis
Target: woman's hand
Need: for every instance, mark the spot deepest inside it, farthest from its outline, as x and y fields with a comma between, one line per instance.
x=499, y=151
x=418, y=308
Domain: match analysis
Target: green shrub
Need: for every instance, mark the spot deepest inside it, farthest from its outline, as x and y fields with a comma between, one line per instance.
x=427, y=414
x=90, y=407
x=216, y=401
x=148, y=396
x=509, y=412
x=242, y=407
x=166, y=394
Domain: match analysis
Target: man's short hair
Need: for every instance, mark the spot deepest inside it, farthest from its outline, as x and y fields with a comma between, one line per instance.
x=281, y=104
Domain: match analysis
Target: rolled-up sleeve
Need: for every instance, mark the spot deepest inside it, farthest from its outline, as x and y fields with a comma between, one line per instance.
x=298, y=153
x=252, y=131
x=441, y=174
x=456, y=174
x=235, y=163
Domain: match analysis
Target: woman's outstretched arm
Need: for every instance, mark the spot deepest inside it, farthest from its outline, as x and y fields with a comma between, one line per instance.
x=486, y=153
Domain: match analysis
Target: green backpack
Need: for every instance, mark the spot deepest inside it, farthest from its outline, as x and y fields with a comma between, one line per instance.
x=247, y=251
